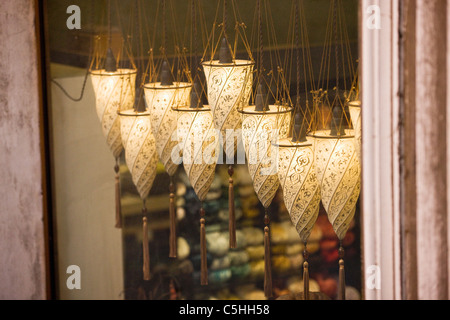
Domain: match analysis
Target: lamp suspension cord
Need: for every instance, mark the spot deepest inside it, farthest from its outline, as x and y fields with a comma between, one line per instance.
x=261, y=47
x=297, y=51
x=195, y=40
x=225, y=22
x=335, y=22
x=83, y=87
x=164, y=29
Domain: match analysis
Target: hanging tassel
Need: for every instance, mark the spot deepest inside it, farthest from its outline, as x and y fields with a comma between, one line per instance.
x=204, y=265
x=267, y=260
x=341, y=290
x=305, y=274
x=145, y=248
x=305, y=280
x=267, y=265
x=232, y=217
x=118, y=204
x=173, y=226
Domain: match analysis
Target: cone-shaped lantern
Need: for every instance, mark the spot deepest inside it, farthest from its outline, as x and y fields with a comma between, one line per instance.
x=114, y=91
x=338, y=171
x=355, y=113
x=262, y=126
x=200, y=145
x=141, y=159
x=301, y=191
x=259, y=131
x=161, y=97
x=229, y=85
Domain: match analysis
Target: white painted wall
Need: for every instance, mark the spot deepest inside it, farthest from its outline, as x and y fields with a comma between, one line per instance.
x=84, y=192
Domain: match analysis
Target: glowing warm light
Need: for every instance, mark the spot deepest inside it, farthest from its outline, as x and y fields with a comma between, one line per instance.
x=200, y=143
x=339, y=174
x=259, y=132
x=298, y=180
x=355, y=113
x=114, y=91
x=140, y=149
x=229, y=88
x=160, y=101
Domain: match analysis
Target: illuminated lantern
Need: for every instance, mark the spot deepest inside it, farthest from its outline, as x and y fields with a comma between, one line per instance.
x=339, y=174
x=141, y=159
x=261, y=127
x=298, y=180
x=160, y=98
x=114, y=91
x=229, y=86
x=200, y=146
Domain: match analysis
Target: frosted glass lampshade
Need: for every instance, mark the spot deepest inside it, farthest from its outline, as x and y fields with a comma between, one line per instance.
x=160, y=101
x=140, y=149
x=259, y=131
x=355, y=113
x=114, y=91
x=200, y=143
x=298, y=180
x=229, y=88
x=339, y=173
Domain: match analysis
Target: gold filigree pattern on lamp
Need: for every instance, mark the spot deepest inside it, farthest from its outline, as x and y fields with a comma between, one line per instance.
x=229, y=88
x=200, y=144
x=259, y=132
x=298, y=180
x=160, y=100
x=140, y=149
x=339, y=174
x=114, y=91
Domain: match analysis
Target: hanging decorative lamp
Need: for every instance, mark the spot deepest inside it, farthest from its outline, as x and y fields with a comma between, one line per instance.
x=229, y=85
x=114, y=90
x=262, y=125
x=336, y=161
x=141, y=159
x=296, y=170
x=200, y=154
x=160, y=97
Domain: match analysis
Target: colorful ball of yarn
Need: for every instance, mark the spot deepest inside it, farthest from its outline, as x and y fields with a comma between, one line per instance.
x=257, y=268
x=219, y=276
x=281, y=264
x=279, y=249
x=180, y=189
x=296, y=261
x=220, y=263
x=313, y=247
x=183, y=248
x=224, y=214
x=295, y=248
x=238, y=257
x=240, y=272
x=352, y=294
x=253, y=236
x=295, y=285
x=217, y=243
x=255, y=252
x=278, y=234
